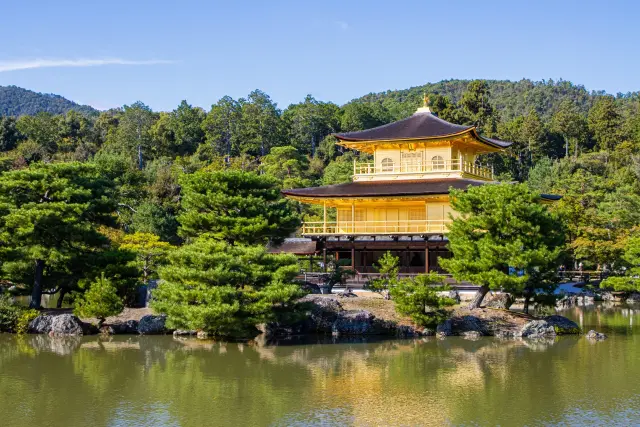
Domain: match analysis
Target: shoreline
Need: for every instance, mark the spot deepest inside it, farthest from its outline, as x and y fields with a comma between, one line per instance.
x=333, y=315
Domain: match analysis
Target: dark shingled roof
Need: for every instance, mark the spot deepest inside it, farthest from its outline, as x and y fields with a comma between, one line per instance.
x=419, y=125
x=392, y=188
x=295, y=246
x=384, y=188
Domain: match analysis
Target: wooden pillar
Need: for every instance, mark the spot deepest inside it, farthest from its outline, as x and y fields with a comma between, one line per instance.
x=324, y=258
x=426, y=216
x=426, y=257
x=353, y=256
x=353, y=217
x=324, y=221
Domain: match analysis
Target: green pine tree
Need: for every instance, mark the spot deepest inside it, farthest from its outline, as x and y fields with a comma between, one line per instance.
x=101, y=300
x=48, y=218
x=502, y=226
x=420, y=298
x=235, y=206
x=225, y=289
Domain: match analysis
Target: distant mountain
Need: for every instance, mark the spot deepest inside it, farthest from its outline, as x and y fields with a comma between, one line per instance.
x=16, y=101
x=509, y=98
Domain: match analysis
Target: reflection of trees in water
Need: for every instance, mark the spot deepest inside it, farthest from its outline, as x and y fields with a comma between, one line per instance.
x=609, y=317
x=91, y=381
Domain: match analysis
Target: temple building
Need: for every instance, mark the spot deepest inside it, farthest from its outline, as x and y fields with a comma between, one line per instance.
x=399, y=202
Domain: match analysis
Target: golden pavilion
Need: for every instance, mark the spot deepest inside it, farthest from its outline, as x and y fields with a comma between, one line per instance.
x=399, y=202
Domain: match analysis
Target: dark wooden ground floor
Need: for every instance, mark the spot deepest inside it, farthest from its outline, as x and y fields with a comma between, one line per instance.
x=416, y=256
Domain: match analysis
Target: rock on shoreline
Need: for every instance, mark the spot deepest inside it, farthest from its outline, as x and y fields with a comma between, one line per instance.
x=59, y=325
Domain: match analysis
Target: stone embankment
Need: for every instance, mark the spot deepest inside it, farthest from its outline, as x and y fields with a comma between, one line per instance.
x=327, y=316
x=66, y=324
x=336, y=316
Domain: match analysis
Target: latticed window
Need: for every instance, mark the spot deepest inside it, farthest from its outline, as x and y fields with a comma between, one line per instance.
x=437, y=162
x=387, y=165
x=411, y=160
x=361, y=215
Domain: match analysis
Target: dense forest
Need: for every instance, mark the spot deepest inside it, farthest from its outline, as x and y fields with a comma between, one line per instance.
x=16, y=101
x=162, y=166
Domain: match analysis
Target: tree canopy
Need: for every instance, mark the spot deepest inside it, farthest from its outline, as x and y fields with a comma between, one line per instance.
x=502, y=238
x=235, y=206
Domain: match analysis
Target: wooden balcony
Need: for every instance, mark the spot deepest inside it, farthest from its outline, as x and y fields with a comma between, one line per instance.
x=372, y=228
x=364, y=170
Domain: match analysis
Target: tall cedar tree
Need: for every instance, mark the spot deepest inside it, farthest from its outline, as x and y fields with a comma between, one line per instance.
x=235, y=206
x=49, y=214
x=503, y=226
x=226, y=289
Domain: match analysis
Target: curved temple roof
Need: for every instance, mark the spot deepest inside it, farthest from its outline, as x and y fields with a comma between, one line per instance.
x=421, y=125
x=391, y=188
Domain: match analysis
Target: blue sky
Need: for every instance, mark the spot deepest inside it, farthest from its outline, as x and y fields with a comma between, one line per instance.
x=161, y=52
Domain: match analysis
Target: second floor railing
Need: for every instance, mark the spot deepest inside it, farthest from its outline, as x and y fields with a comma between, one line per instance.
x=429, y=167
x=344, y=228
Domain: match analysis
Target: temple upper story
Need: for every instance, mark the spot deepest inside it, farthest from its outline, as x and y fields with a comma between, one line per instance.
x=405, y=189
x=421, y=146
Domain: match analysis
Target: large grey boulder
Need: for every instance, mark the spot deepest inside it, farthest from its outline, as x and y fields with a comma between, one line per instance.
x=41, y=324
x=549, y=326
x=536, y=329
x=321, y=315
x=562, y=326
x=66, y=324
x=58, y=325
x=501, y=300
x=152, y=325
x=356, y=322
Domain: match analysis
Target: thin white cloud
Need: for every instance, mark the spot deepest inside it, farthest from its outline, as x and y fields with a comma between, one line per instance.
x=344, y=26
x=26, y=64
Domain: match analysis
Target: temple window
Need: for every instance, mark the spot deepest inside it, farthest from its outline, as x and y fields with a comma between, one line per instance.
x=387, y=165
x=437, y=162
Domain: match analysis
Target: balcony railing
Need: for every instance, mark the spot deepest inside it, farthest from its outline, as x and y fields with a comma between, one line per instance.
x=430, y=167
x=368, y=228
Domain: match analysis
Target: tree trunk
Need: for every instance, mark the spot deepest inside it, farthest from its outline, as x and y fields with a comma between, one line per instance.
x=63, y=292
x=525, y=308
x=477, y=299
x=36, y=292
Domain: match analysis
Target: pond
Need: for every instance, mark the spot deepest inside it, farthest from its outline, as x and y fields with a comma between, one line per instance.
x=161, y=381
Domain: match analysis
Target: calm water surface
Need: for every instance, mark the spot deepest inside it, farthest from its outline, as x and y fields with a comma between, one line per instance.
x=159, y=381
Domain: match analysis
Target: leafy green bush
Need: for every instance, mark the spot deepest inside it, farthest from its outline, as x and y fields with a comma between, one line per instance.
x=9, y=313
x=419, y=299
x=101, y=300
x=25, y=317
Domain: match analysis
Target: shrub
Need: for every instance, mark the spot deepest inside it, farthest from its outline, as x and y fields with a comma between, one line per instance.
x=100, y=301
x=25, y=317
x=225, y=289
x=388, y=269
x=419, y=299
x=9, y=314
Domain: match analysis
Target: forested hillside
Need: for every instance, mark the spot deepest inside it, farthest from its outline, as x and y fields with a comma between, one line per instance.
x=584, y=146
x=16, y=101
x=510, y=99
